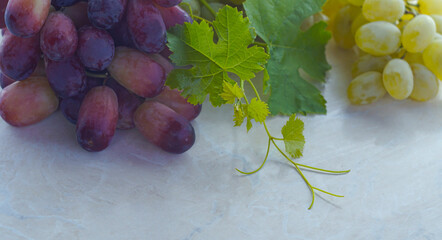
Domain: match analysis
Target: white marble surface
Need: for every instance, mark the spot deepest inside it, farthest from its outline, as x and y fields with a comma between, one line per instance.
x=51, y=189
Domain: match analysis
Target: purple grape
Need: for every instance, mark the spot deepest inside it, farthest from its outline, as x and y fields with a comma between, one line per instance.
x=173, y=16
x=168, y=67
x=78, y=14
x=96, y=48
x=97, y=119
x=173, y=99
x=3, y=4
x=66, y=77
x=106, y=13
x=137, y=72
x=58, y=37
x=25, y=18
x=71, y=106
x=120, y=34
x=146, y=26
x=64, y=3
x=127, y=104
x=167, y=3
x=19, y=56
x=164, y=127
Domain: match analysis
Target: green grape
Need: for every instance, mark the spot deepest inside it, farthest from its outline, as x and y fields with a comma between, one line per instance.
x=205, y=13
x=438, y=36
x=357, y=23
x=194, y=4
x=367, y=63
x=398, y=79
x=378, y=38
x=426, y=85
x=342, y=26
x=383, y=10
x=433, y=58
x=366, y=88
x=356, y=2
x=418, y=33
x=414, y=58
x=331, y=9
x=438, y=20
x=430, y=6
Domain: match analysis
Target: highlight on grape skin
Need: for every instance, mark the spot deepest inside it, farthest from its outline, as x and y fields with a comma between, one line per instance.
x=164, y=127
x=27, y=102
x=97, y=119
x=137, y=72
x=25, y=18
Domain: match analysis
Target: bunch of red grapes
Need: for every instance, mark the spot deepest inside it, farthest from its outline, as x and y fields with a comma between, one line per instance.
x=103, y=63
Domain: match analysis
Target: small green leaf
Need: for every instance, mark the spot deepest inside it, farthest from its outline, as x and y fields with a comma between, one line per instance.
x=249, y=124
x=238, y=116
x=258, y=110
x=231, y=92
x=293, y=136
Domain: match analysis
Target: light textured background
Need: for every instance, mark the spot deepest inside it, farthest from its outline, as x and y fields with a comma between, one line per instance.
x=51, y=189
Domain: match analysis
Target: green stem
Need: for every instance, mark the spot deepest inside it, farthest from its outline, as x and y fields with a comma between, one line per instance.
x=296, y=165
x=261, y=44
x=204, y=2
x=202, y=19
x=97, y=75
x=262, y=165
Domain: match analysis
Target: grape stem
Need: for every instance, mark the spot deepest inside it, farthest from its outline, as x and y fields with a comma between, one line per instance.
x=204, y=2
x=97, y=75
x=297, y=166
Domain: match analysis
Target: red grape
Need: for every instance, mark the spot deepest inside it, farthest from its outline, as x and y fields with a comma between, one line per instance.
x=173, y=16
x=25, y=18
x=146, y=26
x=164, y=127
x=97, y=119
x=106, y=13
x=173, y=99
x=96, y=48
x=137, y=72
x=167, y=3
x=19, y=56
x=27, y=102
x=66, y=77
x=58, y=37
x=168, y=67
x=3, y=4
x=78, y=14
x=127, y=104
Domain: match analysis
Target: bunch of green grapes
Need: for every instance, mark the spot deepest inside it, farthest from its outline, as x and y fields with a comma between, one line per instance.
x=399, y=46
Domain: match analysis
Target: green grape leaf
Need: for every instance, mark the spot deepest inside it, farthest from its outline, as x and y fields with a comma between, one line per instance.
x=231, y=92
x=211, y=62
x=258, y=110
x=293, y=136
x=249, y=124
x=278, y=23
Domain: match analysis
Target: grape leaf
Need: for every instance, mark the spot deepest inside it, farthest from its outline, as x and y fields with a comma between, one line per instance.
x=192, y=44
x=278, y=23
x=258, y=110
x=231, y=92
x=293, y=137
